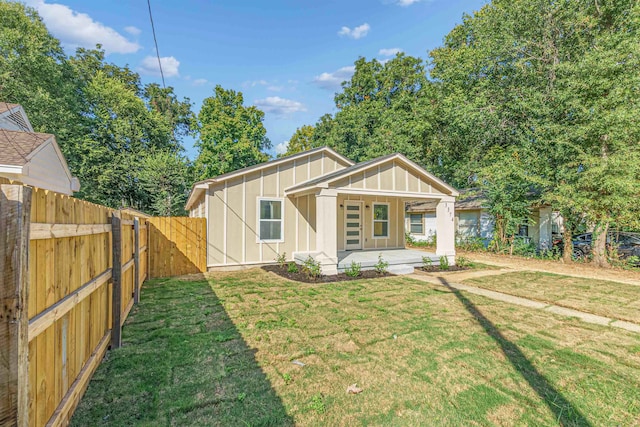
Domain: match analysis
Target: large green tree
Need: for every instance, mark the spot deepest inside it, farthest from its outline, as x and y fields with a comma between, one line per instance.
x=232, y=135
x=301, y=140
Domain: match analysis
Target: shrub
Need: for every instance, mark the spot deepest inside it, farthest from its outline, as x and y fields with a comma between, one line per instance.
x=463, y=262
x=354, y=270
x=444, y=262
x=382, y=265
x=409, y=238
x=470, y=244
x=312, y=268
x=524, y=247
x=281, y=259
x=427, y=262
x=292, y=267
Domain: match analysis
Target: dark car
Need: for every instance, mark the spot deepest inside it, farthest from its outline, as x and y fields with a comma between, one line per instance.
x=626, y=243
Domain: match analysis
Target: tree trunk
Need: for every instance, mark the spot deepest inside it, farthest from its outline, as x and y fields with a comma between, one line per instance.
x=567, y=247
x=599, y=246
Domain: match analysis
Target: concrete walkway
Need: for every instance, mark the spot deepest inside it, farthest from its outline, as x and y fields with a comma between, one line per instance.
x=499, y=296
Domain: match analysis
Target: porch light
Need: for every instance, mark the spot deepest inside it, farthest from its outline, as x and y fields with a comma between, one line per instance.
x=341, y=206
x=367, y=206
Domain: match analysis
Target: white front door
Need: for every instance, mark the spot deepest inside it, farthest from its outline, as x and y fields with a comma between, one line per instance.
x=353, y=225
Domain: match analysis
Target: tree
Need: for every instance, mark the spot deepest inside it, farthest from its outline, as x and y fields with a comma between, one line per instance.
x=232, y=136
x=164, y=177
x=302, y=140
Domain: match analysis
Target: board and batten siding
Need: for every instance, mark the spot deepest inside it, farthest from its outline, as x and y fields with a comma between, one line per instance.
x=233, y=212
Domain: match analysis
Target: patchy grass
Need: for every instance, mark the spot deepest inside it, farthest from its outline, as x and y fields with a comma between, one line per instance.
x=611, y=299
x=424, y=355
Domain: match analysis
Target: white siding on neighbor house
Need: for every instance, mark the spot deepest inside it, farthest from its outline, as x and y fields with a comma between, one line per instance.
x=233, y=225
x=428, y=226
x=45, y=170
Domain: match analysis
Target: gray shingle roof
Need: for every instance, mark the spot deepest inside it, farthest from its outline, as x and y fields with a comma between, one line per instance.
x=16, y=146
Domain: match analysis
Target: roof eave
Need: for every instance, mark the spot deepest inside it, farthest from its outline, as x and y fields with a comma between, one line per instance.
x=195, y=192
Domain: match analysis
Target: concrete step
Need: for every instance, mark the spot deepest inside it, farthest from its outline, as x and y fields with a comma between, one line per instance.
x=400, y=269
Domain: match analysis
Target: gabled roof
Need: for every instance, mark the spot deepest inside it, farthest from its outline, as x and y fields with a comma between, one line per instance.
x=346, y=172
x=16, y=115
x=17, y=148
x=200, y=186
x=470, y=199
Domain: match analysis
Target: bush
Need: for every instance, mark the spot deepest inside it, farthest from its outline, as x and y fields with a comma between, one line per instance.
x=444, y=263
x=354, y=270
x=524, y=247
x=471, y=244
x=409, y=238
x=292, y=267
x=382, y=266
x=427, y=262
x=281, y=259
x=312, y=268
x=463, y=262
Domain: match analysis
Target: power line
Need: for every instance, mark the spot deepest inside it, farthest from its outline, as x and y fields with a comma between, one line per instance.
x=155, y=40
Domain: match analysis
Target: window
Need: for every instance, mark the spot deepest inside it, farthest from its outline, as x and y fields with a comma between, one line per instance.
x=416, y=225
x=380, y=220
x=270, y=219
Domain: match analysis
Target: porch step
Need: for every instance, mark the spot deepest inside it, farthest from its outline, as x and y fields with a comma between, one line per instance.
x=400, y=269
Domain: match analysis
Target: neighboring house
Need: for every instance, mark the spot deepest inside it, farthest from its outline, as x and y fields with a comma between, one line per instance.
x=30, y=157
x=472, y=220
x=316, y=203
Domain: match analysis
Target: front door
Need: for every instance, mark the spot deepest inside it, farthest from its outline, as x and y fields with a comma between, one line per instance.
x=353, y=225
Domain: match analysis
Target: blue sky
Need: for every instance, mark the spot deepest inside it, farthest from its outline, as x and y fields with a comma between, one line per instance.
x=287, y=57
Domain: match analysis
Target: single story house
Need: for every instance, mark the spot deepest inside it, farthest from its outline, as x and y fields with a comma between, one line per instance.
x=473, y=220
x=30, y=157
x=316, y=203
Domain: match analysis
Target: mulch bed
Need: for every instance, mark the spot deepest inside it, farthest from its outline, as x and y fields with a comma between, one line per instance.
x=436, y=269
x=300, y=276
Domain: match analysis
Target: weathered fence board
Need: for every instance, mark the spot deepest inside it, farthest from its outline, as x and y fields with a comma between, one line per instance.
x=177, y=245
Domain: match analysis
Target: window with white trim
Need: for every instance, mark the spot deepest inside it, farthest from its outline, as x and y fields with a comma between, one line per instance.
x=270, y=219
x=416, y=225
x=380, y=220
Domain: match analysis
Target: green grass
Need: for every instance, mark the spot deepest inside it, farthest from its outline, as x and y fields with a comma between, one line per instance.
x=605, y=298
x=221, y=354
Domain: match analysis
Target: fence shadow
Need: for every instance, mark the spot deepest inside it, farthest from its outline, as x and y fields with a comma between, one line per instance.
x=175, y=249
x=565, y=413
x=183, y=362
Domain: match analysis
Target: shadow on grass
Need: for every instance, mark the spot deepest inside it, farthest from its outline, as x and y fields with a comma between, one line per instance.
x=183, y=362
x=565, y=413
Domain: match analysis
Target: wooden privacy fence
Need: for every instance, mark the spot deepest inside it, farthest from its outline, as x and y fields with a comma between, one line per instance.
x=177, y=245
x=71, y=272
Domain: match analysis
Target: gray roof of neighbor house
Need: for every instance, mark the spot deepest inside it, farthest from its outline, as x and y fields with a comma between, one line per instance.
x=469, y=199
x=16, y=146
x=5, y=106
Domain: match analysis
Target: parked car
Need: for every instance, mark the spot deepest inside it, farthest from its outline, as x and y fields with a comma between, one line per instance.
x=626, y=243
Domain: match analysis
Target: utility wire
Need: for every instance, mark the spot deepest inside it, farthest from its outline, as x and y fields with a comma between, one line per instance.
x=155, y=40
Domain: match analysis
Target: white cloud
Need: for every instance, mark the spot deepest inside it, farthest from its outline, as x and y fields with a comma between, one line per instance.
x=279, y=106
x=356, y=33
x=170, y=66
x=390, y=52
x=254, y=83
x=332, y=81
x=77, y=29
x=282, y=147
x=406, y=2
x=200, y=82
x=134, y=31
x=275, y=88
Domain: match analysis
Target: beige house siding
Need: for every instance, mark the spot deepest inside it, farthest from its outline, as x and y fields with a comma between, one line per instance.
x=396, y=223
x=233, y=212
x=391, y=176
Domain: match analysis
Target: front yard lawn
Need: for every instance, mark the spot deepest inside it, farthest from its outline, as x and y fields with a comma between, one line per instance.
x=221, y=352
x=605, y=298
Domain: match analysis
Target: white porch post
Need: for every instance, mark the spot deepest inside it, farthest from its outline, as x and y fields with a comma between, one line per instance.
x=545, y=222
x=445, y=229
x=327, y=230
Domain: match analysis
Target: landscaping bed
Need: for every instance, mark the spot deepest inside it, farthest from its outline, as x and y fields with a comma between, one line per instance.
x=302, y=276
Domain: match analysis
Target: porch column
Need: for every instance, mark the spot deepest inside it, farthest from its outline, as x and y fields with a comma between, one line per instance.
x=545, y=222
x=445, y=229
x=327, y=230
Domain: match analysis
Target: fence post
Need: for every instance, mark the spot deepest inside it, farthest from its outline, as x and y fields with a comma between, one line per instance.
x=15, y=214
x=116, y=274
x=136, y=260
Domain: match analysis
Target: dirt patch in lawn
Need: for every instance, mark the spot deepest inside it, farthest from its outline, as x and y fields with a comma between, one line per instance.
x=301, y=276
x=437, y=269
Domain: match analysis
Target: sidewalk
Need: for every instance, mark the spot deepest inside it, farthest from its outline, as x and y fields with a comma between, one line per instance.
x=499, y=296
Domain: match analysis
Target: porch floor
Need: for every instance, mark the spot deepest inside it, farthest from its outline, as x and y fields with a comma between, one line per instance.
x=369, y=258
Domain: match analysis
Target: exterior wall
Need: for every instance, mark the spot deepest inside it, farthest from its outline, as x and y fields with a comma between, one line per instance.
x=428, y=226
x=46, y=171
x=233, y=234
x=390, y=176
x=396, y=223
x=198, y=209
